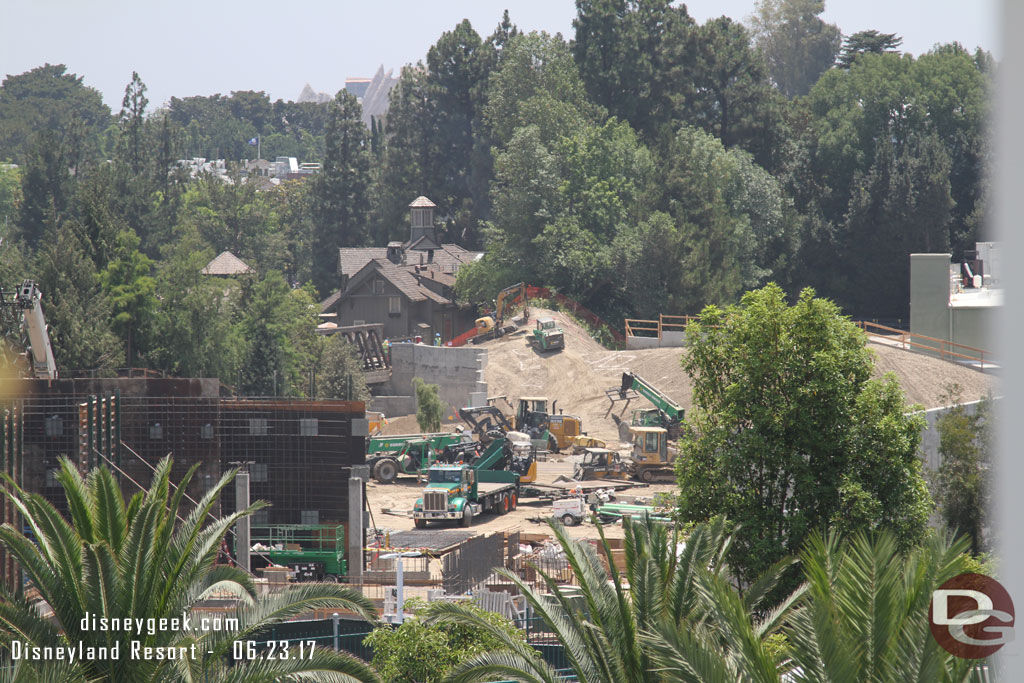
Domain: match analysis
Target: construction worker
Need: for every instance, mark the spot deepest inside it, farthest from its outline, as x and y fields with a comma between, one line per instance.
x=386, y=346
x=437, y=339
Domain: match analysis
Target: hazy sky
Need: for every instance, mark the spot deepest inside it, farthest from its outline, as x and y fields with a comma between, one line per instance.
x=193, y=47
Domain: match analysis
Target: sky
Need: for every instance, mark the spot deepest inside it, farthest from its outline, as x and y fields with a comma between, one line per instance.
x=203, y=47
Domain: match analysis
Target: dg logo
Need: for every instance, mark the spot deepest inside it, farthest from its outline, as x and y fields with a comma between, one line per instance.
x=971, y=616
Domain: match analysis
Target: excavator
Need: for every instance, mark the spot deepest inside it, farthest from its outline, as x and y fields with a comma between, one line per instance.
x=666, y=412
x=26, y=301
x=493, y=326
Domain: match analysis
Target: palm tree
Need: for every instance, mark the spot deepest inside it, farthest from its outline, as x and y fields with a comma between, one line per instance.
x=666, y=589
x=866, y=616
x=144, y=561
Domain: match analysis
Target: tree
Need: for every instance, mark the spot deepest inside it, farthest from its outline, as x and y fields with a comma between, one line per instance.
x=10, y=196
x=132, y=291
x=964, y=481
x=731, y=97
x=429, y=408
x=339, y=193
x=47, y=98
x=194, y=330
x=275, y=322
x=629, y=54
x=427, y=651
x=77, y=310
x=536, y=83
x=339, y=372
x=865, y=616
x=790, y=434
x=867, y=42
x=797, y=45
x=151, y=559
x=621, y=633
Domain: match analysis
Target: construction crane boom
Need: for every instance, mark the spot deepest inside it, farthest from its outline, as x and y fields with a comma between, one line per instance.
x=28, y=301
x=665, y=404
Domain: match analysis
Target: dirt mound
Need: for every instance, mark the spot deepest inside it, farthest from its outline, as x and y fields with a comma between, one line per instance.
x=578, y=375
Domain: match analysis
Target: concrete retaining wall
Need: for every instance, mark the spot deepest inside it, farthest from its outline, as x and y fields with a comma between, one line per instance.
x=668, y=339
x=930, y=436
x=394, y=405
x=458, y=373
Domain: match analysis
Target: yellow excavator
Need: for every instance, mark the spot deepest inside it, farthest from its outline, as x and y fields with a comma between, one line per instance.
x=493, y=326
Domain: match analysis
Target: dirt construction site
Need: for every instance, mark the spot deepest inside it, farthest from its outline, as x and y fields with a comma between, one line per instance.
x=578, y=376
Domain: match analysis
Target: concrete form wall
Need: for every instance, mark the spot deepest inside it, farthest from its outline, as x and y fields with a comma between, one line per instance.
x=668, y=339
x=931, y=314
x=457, y=371
x=929, y=295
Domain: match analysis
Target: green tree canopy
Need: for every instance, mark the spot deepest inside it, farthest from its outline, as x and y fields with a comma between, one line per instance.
x=870, y=42
x=796, y=43
x=790, y=434
x=964, y=481
x=339, y=372
x=47, y=98
x=427, y=651
x=429, y=408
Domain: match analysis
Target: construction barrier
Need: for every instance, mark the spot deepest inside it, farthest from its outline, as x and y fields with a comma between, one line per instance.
x=565, y=302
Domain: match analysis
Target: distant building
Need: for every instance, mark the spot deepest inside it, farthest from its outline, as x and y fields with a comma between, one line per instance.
x=357, y=86
x=406, y=286
x=957, y=302
x=376, y=100
x=227, y=264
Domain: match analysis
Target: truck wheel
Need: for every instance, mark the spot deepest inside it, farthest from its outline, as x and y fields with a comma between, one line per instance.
x=513, y=500
x=552, y=444
x=568, y=520
x=467, y=516
x=385, y=471
x=503, y=504
x=420, y=523
x=647, y=476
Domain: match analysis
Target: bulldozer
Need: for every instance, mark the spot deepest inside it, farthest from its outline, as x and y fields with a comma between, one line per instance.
x=599, y=463
x=494, y=325
x=651, y=458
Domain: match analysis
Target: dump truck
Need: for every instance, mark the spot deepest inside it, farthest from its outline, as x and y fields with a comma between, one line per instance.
x=547, y=335
x=461, y=491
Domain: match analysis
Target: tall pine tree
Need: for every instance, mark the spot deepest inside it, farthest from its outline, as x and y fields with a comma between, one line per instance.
x=340, y=192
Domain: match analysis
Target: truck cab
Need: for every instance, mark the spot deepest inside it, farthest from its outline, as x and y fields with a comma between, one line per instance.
x=461, y=492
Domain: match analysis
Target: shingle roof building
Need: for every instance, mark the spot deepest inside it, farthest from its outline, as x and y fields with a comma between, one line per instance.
x=226, y=264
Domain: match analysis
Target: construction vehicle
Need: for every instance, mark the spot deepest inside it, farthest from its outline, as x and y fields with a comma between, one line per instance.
x=389, y=456
x=651, y=458
x=666, y=412
x=547, y=336
x=315, y=552
x=570, y=511
x=582, y=442
x=464, y=490
x=490, y=424
x=547, y=429
x=599, y=463
x=26, y=300
x=498, y=323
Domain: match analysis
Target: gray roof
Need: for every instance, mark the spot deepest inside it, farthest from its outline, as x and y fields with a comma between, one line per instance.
x=226, y=263
x=448, y=256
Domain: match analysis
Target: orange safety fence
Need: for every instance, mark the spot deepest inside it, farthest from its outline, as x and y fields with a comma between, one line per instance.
x=570, y=305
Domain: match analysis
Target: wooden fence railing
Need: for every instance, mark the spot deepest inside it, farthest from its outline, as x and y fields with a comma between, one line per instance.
x=654, y=328
x=946, y=349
